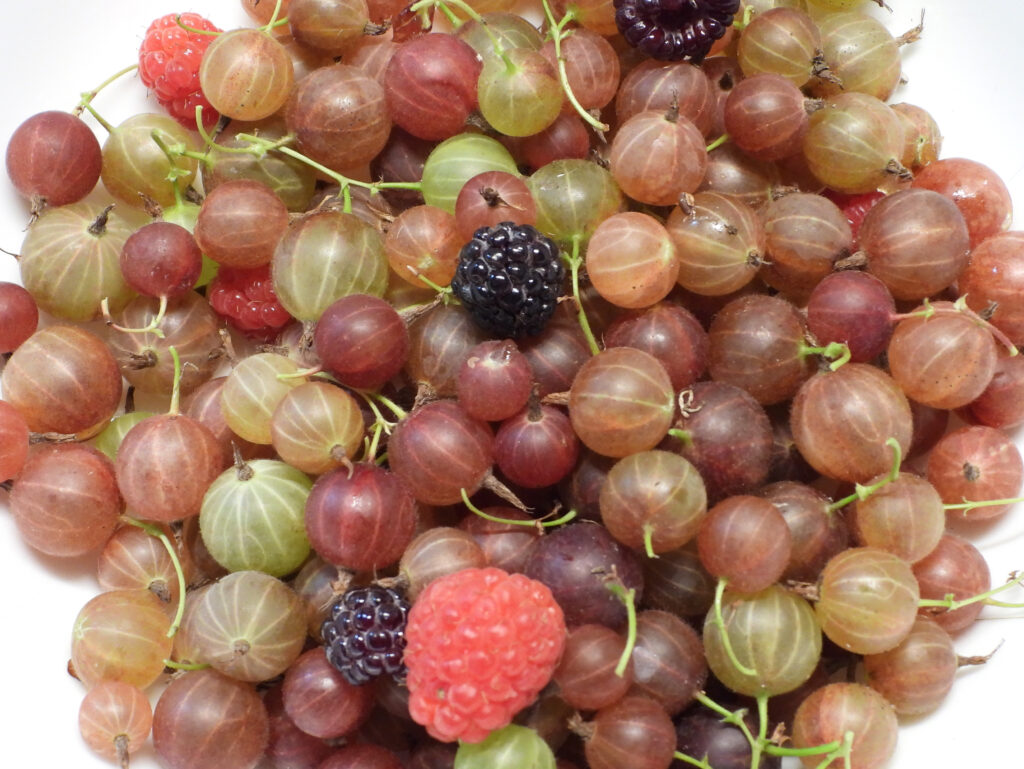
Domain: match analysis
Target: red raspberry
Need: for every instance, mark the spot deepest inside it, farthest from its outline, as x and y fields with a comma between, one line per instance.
x=169, y=65
x=480, y=645
x=247, y=300
x=854, y=207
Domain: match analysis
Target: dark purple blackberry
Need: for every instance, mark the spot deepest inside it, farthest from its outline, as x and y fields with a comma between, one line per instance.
x=364, y=636
x=509, y=278
x=671, y=30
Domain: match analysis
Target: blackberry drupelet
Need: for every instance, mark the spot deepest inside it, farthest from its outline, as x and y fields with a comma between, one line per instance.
x=364, y=636
x=671, y=30
x=509, y=278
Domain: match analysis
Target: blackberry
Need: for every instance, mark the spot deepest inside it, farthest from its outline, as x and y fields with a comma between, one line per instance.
x=364, y=636
x=671, y=30
x=509, y=278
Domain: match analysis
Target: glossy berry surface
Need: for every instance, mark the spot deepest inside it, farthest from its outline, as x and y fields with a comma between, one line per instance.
x=509, y=278
x=674, y=29
x=481, y=644
x=247, y=300
x=169, y=65
x=364, y=635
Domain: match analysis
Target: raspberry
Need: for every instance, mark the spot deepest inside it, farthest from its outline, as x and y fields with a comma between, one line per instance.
x=365, y=634
x=247, y=300
x=674, y=29
x=169, y=66
x=480, y=645
x=854, y=207
x=509, y=278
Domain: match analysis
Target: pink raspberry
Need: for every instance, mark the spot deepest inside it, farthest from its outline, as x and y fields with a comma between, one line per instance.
x=480, y=645
x=169, y=61
x=247, y=300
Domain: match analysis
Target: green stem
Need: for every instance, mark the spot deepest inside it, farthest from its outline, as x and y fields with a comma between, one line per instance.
x=389, y=404
x=175, y=408
x=950, y=603
x=762, y=730
x=814, y=750
x=575, y=261
x=558, y=34
x=153, y=327
x=537, y=522
x=154, y=531
x=967, y=505
x=649, y=541
x=99, y=119
x=717, y=142
x=863, y=492
x=836, y=352
x=680, y=756
x=734, y=717
x=373, y=445
x=719, y=622
x=186, y=665
x=628, y=598
x=273, y=17
x=194, y=30
x=88, y=96
x=379, y=417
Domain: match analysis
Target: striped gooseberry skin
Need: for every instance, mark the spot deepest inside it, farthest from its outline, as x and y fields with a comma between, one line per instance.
x=246, y=74
x=772, y=632
x=253, y=391
x=63, y=379
x=70, y=264
x=251, y=518
x=232, y=732
x=14, y=437
x=189, y=325
x=53, y=158
x=834, y=710
x=66, y=502
x=867, y=600
x=842, y=420
x=317, y=427
x=456, y=160
x=439, y=451
x=324, y=256
x=121, y=635
x=164, y=466
x=656, y=158
x=917, y=674
x=720, y=243
x=115, y=719
x=249, y=626
x=339, y=115
x=361, y=517
x=362, y=341
x=621, y=402
x=861, y=53
x=783, y=41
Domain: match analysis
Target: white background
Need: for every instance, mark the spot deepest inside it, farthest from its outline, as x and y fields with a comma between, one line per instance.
x=966, y=70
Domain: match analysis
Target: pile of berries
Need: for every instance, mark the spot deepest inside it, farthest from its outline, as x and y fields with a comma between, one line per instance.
x=561, y=442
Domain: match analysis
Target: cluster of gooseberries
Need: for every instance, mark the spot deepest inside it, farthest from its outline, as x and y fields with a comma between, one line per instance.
x=739, y=453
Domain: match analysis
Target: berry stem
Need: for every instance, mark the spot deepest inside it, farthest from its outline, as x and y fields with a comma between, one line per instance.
x=152, y=328
x=837, y=353
x=718, y=142
x=175, y=408
x=762, y=729
x=558, y=33
x=949, y=602
x=968, y=505
x=734, y=717
x=154, y=531
x=99, y=118
x=649, y=541
x=540, y=523
x=628, y=598
x=194, y=30
x=719, y=622
x=863, y=492
x=680, y=756
x=575, y=260
x=186, y=665
x=88, y=96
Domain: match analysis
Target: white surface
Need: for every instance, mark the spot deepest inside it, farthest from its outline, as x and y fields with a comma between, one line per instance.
x=965, y=71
